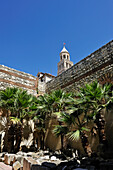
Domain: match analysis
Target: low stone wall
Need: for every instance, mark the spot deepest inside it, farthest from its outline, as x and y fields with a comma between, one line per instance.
x=96, y=66
x=12, y=78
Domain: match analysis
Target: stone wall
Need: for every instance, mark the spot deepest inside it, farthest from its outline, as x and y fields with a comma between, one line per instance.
x=96, y=66
x=12, y=78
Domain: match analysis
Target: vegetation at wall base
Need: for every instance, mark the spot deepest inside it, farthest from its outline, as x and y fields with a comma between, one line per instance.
x=74, y=113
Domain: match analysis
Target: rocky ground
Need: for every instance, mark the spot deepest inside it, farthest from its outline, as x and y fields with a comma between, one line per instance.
x=48, y=160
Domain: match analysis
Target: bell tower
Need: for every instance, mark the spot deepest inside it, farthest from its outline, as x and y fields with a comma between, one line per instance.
x=65, y=62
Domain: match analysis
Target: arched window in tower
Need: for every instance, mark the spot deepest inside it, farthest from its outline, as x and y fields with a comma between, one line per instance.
x=64, y=56
x=66, y=65
x=65, y=62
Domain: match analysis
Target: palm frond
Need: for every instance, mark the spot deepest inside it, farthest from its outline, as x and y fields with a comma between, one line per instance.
x=74, y=135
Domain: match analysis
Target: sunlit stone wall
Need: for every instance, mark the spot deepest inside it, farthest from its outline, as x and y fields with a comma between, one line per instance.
x=12, y=78
x=96, y=66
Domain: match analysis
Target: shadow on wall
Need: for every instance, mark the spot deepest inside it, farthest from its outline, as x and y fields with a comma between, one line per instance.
x=51, y=141
x=109, y=127
x=54, y=143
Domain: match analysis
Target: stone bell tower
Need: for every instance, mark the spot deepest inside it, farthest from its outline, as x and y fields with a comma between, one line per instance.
x=65, y=62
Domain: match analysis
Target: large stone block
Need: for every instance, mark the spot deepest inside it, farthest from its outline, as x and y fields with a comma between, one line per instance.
x=28, y=163
x=19, y=158
x=9, y=159
x=16, y=166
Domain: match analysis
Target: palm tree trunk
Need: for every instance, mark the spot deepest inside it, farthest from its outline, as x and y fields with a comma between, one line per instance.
x=62, y=138
x=100, y=122
x=9, y=139
x=62, y=142
x=18, y=137
x=85, y=144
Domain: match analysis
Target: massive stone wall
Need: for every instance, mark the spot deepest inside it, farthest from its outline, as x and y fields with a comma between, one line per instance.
x=12, y=78
x=96, y=66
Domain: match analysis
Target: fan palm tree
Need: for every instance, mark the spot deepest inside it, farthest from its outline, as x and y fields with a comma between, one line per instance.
x=16, y=102
x=62, y=129
x=78, y=113
x=42, y=109
x=7, y=103
x=61, y=101
x=97, y=97
x=45, y=107
x=68, y=112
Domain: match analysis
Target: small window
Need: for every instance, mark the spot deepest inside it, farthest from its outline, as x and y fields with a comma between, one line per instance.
x=64, y=56
x=42, y=79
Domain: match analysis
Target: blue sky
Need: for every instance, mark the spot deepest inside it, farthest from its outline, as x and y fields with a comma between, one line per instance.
x=32, y=32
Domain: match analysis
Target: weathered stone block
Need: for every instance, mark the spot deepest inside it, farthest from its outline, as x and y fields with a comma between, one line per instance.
x=19, y=158
x=28, y=163
x=9, y=159
x=16, y=166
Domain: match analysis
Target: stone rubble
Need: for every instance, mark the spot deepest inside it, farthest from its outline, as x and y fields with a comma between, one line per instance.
x=45, y=160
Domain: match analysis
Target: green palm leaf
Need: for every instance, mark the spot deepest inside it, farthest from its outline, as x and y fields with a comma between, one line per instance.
x=74, y=135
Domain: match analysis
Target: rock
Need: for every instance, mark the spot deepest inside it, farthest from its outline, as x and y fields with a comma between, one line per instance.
x=2, y=154
x=58, y=152
x=2, y=159
x=40, y=153
x=62, y=165
x=42, y=159
x=61, y=156
x=78, y=161
x=21, y=153
x=49, y=165
x=91, y=167
x=46, y=152
x=74, y=155
x=53, y=158
x=19, y=158
x=32, y=148
x=35, y=167
x=16, y=165
x=28, y=163
x=68, y=152
x=24, y=148
x=9, y=159
x=46, y=157
x=32, y=154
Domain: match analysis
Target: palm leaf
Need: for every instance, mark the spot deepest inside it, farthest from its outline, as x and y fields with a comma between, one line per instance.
x=74, y=135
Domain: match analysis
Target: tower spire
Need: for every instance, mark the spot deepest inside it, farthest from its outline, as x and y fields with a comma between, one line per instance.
x=64, y=44
x=65, y=62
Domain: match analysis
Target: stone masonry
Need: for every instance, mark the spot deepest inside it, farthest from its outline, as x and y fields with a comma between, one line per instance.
x=96, y=66
x=12, y=78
